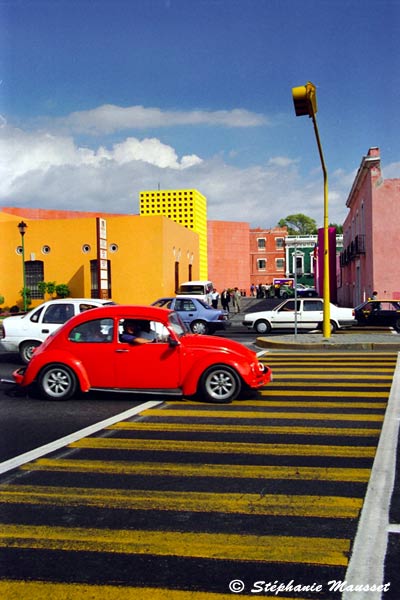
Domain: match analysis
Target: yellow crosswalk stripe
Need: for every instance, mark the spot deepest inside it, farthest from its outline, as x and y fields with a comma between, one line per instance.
x=266, y=414
x=42, y=590
x=254, y=429
x=262, y=548
x=225, y=447
x=200, y=470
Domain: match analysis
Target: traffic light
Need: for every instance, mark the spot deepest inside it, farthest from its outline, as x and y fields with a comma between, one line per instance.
x=305, y=100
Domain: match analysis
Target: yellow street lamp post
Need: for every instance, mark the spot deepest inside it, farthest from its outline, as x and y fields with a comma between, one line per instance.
x=305, y=103
x=22, y=228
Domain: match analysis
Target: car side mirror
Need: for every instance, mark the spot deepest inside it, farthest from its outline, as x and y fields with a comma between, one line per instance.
x=172, y=341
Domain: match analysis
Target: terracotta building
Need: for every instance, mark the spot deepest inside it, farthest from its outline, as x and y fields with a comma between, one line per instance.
x=228, y=254
x=267, y=254
x=370, y=234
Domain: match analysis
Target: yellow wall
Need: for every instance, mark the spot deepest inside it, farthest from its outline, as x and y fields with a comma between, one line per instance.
x=142, y=268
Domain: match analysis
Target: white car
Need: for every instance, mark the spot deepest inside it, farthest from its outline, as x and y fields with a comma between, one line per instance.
x=23, y=333
x=309, y=315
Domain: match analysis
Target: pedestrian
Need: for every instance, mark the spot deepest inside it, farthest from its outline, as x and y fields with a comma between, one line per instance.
x=236, y=299
x=225, y=299
x=214, y=298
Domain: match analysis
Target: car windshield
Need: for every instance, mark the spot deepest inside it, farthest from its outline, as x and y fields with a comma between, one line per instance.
x=177, y=324
x=163, y=302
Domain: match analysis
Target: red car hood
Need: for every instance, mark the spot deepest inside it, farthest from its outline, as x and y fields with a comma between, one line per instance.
x=216, y=343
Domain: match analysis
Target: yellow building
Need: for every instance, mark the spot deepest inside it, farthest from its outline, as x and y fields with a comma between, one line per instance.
x=187, y=207
x=146, y=258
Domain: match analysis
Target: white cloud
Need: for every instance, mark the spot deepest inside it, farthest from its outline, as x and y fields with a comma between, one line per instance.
x=109, y=118
x=50, y=171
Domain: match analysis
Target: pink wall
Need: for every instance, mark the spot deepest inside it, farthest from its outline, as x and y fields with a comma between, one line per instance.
x=229, y=254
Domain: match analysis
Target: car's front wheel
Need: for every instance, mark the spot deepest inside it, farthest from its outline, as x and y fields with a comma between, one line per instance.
x=57, y=382
x=262, y=326
x=27, y=349
x=199, y=327
x=220, y=383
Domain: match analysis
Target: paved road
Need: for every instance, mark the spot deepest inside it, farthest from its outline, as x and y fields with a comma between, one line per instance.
x=193, y=497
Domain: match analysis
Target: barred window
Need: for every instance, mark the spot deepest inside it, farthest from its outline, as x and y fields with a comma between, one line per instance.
x=34, y=272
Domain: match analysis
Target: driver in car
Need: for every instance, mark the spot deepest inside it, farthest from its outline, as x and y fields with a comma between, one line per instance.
x=137, y=332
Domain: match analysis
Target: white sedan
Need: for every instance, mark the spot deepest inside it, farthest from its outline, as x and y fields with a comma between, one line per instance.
x=23, y=333
x=309, y=315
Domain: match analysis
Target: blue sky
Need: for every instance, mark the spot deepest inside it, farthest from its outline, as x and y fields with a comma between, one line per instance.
x=102, y=99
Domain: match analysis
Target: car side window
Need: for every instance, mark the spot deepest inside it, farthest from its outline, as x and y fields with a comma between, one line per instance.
x=185, y=305
x=289, y=306
x=309, y=305
x=36, y=315
x=86, y=306
x=58, y=313
x=97, y=331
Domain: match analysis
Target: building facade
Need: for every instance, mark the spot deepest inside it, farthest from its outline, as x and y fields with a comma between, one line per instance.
x=146, y=258
x=267, y=255
x=187, y=207
x=370, y=234
x=228, y=254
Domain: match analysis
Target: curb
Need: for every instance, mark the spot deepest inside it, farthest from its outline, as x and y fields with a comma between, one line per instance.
x=328, y=345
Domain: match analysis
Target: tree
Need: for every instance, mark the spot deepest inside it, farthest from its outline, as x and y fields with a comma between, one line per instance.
x=299, y=224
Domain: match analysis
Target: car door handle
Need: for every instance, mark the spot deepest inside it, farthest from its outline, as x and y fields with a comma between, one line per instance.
x=121, y=350
x=45, y=330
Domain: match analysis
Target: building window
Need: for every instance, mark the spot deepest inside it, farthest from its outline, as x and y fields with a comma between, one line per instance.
x=279, y=243
x=94, y=284
x=34, y=272
x=46, y=249
x=298, y=264
x=280, y=264
x=261, y=243
x=261, y=264
x=86, y=248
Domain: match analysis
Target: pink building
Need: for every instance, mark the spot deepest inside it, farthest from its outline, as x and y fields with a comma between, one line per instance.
x=228, y=254
x=371, y=236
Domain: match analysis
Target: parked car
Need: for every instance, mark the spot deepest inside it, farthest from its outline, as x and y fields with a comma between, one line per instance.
x=23, y=333
x=302, y=291
x=309, y=315
x=196, y=314
x=379, y=312
x=90, y=352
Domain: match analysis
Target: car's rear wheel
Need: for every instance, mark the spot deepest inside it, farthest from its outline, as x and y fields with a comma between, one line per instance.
x=199, y=327
x=333, y=326
x=220, y=383
x=57, y=382
x=27, y=349
x=262, y=326
x=396, y=325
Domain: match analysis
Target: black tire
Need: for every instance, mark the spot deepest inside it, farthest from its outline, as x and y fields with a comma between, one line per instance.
x=333, y=326
x=26, y=350
x=57, y=382
x=199, y=327
x=220, y=384
x=262, y=326
x=396, y=325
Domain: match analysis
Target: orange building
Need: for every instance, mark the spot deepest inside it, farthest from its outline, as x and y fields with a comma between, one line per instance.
x=146, y=258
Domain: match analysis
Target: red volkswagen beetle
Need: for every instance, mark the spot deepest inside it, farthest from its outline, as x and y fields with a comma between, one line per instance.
x=140, y=349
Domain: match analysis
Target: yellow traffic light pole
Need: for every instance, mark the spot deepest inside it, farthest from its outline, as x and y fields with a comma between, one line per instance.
x=305, y=103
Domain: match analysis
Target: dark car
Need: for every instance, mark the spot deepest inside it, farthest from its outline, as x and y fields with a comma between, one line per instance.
x=379, y=312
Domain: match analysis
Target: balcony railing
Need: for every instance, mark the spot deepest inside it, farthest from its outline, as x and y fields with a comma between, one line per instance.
x=354, y=249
